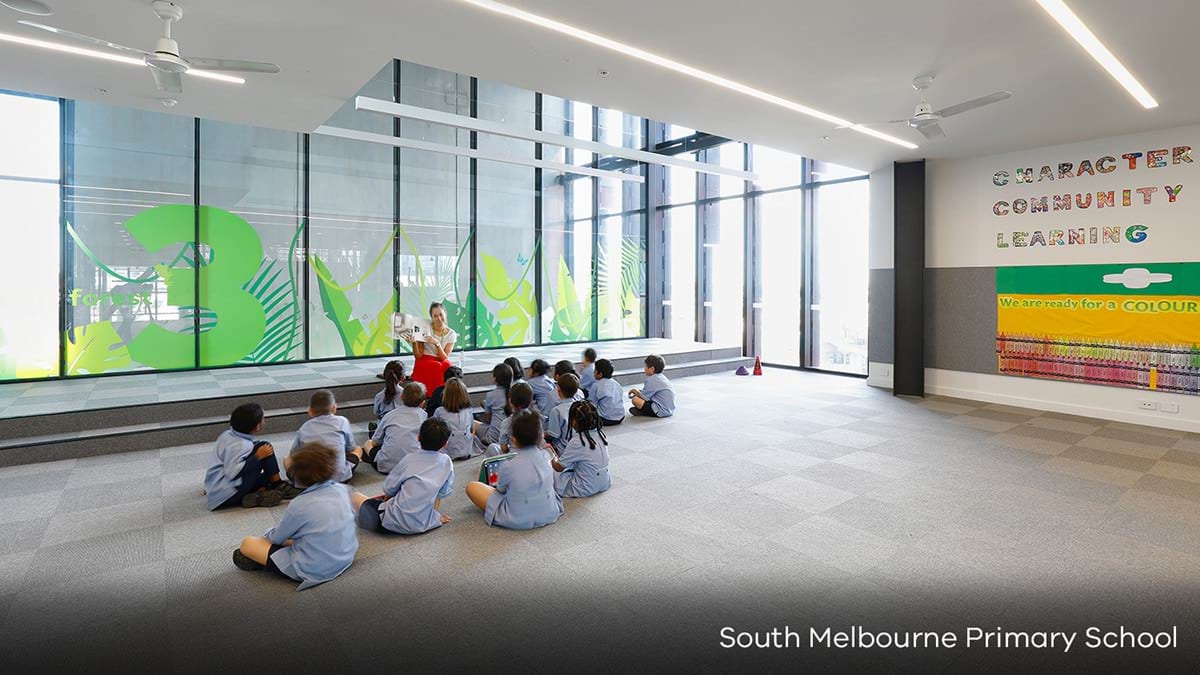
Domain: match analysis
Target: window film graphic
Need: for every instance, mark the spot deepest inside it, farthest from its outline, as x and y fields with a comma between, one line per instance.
x=185, y=243
x=1134, y=325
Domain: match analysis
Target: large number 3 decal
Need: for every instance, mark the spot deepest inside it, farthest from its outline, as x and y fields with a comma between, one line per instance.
x=236, y=254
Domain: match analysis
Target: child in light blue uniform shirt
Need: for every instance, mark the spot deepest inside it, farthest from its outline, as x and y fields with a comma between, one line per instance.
x=386, y=400
x=397, y=432
x=456, y=413
x=557, y=428
x=520, y=397
x=414, y=490
x=241, y=470
x=582, y=465
x=607, y=394
x=326, y=427
x=524, y=496
x=656, y=398
x=315, y=541
x=587, y=374
x=495, y=405
x=544, y=397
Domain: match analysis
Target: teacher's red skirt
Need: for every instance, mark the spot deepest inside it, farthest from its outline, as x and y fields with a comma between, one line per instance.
x=430, y=371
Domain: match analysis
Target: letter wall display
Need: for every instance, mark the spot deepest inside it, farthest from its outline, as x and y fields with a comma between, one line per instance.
x=1096, y=251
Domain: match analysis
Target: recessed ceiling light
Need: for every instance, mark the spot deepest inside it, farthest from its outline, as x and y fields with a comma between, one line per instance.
x=681, y=68
x=28, y=7
x=1059, y=11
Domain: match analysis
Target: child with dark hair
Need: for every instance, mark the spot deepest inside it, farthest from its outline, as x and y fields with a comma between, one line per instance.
x=315, y=539
x=518, y=372
x=326, y=427
x=607, y=395
x=542, y=385
x=456, y=413
x=520, y=397
x=582, y=465
x=495, y=405
x=524, y=496
x=435, y=399
x=562, y=368
x=242, y=470
x=397, y=432
x=393, y=378
x=556, y=426
x=587, y=373
x=656, y=398
x=414, y=490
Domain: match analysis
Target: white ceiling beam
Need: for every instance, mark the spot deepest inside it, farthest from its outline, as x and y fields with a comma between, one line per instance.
x=486, y=126
x=369, y=137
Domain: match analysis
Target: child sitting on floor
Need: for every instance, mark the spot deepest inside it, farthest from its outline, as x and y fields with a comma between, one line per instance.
x=397, y=432
x=242, y=470
x=435, y=399
x=315, y=540
x=393, y=378
x=556, y=427
x=607, y=395
x=583, y=462
x=542, y=385
x=588, y=372
x=414, y=490
x=518, y=372
x=520, y=397
x=565, y=367
x=495, y=405
x=524, y=496
x=456, y=413
x=326, y=427
x=656, y=398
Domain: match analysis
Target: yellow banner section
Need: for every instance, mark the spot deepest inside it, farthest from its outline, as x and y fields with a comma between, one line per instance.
x=1141, y=318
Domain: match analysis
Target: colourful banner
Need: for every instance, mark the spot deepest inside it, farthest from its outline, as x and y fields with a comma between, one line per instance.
x=1133, y=325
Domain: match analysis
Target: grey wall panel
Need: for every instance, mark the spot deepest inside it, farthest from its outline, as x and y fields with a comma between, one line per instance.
x=881, y=320
x=960, y=319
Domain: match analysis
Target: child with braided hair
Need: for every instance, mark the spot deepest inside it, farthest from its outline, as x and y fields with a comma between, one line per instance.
x=582, y=464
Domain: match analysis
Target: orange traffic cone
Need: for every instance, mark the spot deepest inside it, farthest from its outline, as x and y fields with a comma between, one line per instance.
x=758, y=365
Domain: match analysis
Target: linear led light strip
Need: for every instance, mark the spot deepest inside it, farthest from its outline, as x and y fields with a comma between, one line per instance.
x=107, y=56
x=369, y=137
x=681, y=68
x=498, y=129
x=1059, y=11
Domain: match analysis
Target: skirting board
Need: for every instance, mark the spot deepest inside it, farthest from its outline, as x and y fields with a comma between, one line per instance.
x=1109, y=403
x=879, y=375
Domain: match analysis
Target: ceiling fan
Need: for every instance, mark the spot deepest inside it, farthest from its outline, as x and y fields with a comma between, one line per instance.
x=165, y=63
x=925, y=119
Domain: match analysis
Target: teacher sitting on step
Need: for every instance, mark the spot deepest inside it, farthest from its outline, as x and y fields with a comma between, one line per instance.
x=433, y=352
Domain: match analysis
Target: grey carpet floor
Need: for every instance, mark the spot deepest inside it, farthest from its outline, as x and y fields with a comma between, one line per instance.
x=795, y=497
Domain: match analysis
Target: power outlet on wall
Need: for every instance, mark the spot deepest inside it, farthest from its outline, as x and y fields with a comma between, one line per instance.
x=1148, y=405
x=1169, y=407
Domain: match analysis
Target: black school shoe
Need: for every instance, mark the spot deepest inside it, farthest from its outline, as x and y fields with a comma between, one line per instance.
x=287, y=490
x=265, y=498
x=243, y=562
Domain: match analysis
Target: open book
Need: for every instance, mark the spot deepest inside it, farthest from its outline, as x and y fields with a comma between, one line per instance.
x=412, y=328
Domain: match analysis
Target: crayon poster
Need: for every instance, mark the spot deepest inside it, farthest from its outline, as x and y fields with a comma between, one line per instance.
x=1131, y=325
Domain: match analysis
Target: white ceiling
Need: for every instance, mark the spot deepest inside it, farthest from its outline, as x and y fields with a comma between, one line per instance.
x=851, y=58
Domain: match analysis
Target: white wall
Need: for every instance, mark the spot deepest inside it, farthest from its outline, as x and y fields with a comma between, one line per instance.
x=962, y=232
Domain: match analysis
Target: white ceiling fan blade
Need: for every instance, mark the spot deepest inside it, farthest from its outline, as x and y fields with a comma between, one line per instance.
x=84, y=38
x=973, y=103
x=172, y=83
x=931, y=130
x=232, y=65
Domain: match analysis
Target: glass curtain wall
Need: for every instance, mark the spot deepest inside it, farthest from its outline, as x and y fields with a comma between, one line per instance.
x=30, y=172
x=186, y=243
